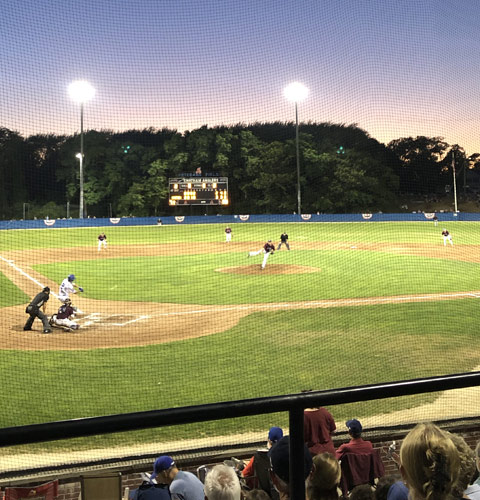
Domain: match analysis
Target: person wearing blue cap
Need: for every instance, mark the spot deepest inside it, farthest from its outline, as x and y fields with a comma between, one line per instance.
x=259, y=464
x=356, y=443
x=182, y=485
x=67, y=287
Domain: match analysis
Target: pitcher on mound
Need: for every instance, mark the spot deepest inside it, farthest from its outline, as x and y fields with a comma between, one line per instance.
x=267, y=250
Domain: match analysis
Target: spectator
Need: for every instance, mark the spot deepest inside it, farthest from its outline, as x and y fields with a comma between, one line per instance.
x=280, y=460
x=256, y=494
x=318, y=428
x=323, y=481
x=398, y=491
x=429, y=463
x=382, y=487
x=182, y=485
x=362, y=492
x=356, y=443
x=477, y=461
x=251, y=473
x=221, y=483
x=467, y=470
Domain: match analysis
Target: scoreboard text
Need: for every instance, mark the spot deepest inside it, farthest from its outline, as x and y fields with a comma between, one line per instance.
x=198, y=191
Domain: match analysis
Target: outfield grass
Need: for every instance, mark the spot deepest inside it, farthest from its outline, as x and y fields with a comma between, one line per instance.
x=465, y=233
x=268, y=353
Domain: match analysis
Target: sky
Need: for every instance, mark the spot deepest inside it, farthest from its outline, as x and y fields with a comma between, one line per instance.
x=395, y=68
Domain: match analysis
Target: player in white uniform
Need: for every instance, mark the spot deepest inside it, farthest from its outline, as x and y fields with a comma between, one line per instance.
x=67, y=287
x=102, y=241
x=447, y=237
x=228, y=234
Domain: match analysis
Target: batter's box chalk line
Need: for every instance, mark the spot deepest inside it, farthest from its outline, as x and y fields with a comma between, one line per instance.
x=109, y=319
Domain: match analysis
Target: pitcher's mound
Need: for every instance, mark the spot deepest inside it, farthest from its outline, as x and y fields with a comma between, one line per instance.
x=270, y=269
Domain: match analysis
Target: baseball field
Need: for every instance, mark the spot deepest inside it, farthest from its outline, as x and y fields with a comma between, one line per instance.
x=175, y=316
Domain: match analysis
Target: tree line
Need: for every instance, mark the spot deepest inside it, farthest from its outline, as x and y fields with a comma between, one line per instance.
x=343, y=169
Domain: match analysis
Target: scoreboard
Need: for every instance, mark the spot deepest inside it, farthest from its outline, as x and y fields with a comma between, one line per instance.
x=198, y=191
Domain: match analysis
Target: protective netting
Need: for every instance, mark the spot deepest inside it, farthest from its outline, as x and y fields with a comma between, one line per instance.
x=171, y=314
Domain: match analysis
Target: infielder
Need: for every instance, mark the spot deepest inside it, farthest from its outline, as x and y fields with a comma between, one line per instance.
x=64, y=316
x=67, y=287
x=228, y=234
x=102, y=241
x=447, y=237
x=267, y=250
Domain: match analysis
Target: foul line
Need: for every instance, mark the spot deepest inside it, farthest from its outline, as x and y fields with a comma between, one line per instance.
x=23, y=273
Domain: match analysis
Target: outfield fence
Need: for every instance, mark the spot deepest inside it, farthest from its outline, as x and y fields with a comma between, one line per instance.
x=294, y=404
x=443, y=217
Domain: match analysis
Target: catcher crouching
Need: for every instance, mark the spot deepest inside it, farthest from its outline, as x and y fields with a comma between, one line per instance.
x=64, y=317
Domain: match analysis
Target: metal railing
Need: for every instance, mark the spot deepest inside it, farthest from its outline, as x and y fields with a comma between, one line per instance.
x=294, y=404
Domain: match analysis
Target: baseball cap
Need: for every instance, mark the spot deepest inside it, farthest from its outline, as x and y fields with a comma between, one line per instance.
x=275, y=434
x=71, y=277
x=162, y=463
x=280, y=459
x=354, y=426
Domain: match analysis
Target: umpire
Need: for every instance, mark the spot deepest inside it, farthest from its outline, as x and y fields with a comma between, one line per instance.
x=33, y=309
x=283, y=241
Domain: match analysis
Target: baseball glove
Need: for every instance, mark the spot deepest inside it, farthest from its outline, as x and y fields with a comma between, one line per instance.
x=80, y=288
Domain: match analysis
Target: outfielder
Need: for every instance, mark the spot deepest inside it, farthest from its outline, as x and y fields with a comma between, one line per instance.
x=447, y=237
x=67, y=287
x=102, y=241
x=64, y=317
x=267, y=250
x=228, y=234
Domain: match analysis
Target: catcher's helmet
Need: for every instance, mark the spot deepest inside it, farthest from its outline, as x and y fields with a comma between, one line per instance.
x=68, y=302
x=71, y=277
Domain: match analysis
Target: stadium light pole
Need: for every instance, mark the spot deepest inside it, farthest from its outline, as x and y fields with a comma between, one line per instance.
x=81, y=92
x=297, y=92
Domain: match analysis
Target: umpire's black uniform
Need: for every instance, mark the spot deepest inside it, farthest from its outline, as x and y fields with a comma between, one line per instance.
x=33, y=309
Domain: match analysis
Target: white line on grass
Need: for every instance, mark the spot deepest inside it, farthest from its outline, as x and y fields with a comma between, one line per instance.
x=23, y=273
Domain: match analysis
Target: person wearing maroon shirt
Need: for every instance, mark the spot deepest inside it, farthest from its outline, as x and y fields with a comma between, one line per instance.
x=318, y=427
x=267, y=250
x=356, y=444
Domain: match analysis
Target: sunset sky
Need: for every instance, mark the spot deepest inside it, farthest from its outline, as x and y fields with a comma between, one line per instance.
x=396, y=68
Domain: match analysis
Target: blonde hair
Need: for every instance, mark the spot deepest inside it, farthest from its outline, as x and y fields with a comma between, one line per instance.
x=324, y=479
x=467, y=465
x=430, y=462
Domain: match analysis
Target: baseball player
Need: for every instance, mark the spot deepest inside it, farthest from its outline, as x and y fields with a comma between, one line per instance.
x=67, y=287
x=283, y=241
x=102, y=241
x=267, y=250
x=33, y=309
x=64, y=316
x=447, y=237
x=228, y=234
